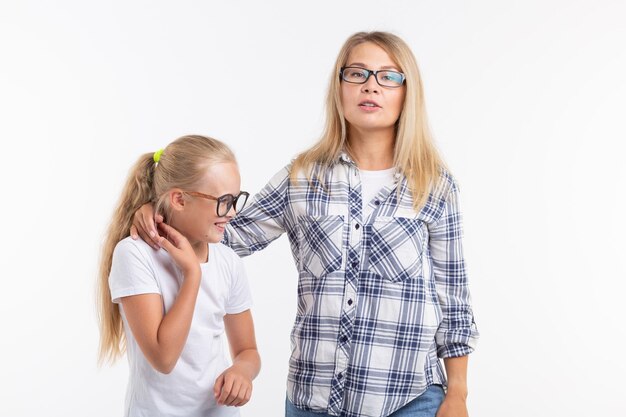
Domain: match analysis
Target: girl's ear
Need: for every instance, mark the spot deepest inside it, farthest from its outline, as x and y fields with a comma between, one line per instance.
x=177, y=199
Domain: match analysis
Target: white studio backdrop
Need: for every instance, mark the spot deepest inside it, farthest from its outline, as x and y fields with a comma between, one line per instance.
x=527, y=104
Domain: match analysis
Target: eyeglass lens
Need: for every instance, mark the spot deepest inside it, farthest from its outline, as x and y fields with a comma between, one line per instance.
x=225, y=203
x=361, y=75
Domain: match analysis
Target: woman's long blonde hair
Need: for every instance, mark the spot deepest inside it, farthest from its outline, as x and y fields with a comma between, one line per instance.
x=414, y=152
x=182, y=164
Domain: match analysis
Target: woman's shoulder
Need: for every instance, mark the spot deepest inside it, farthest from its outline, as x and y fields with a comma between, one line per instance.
x=445, y=185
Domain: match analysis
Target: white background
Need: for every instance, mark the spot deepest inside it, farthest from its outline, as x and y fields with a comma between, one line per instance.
x=527, y=101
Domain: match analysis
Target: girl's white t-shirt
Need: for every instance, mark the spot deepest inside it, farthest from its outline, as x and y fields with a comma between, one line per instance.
x=188, y=389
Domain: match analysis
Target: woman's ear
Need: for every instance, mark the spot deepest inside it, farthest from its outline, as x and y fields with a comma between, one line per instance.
x=176, y=199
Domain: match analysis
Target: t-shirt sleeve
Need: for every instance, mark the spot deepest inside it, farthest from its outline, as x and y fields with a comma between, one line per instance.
x=239, y=296
x=131, y=272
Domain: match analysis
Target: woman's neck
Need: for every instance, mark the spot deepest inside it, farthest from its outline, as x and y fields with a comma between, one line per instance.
x=373, y=151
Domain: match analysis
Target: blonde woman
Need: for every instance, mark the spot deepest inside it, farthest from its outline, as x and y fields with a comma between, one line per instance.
x=170, y=308
x=373, y=219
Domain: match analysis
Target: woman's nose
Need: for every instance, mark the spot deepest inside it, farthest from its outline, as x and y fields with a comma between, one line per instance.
x=371, y=85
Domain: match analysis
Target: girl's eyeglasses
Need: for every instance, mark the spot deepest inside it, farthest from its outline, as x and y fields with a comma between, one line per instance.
x=225, y=202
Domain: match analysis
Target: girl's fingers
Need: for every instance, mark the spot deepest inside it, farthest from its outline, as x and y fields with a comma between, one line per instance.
x=226, y=389
x=217, y=388
x=169, y=229
x=167, y=245
x=248, y=395
x=172, y=234
x=240, y=399
x=233, y=398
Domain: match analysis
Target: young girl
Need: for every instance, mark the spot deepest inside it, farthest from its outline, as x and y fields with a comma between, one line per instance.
x=169, y=308
x=373, y=219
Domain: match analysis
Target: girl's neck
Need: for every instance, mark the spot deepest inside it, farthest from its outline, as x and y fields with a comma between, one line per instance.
x=372, y=151
x=202, y=251
x=200, y=248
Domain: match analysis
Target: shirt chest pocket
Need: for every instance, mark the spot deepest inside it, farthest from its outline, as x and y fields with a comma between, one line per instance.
x=320, y=243
x=396, y=247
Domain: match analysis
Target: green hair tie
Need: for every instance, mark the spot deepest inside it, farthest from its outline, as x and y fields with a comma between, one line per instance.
x=157, y=156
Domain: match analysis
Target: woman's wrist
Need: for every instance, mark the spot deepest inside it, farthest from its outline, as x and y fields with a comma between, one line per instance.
x=457, y=391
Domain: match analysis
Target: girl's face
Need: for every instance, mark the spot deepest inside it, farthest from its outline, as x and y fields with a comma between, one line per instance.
x=370, y=107
x=199, y=220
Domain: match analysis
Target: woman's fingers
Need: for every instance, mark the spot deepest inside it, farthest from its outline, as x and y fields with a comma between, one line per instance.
x=144, y=226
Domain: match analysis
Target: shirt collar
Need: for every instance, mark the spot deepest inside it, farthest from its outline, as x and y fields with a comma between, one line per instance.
x=344, y=157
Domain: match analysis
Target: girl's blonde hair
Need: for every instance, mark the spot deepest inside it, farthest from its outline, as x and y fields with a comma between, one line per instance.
x=414, y=152
x=182, y=164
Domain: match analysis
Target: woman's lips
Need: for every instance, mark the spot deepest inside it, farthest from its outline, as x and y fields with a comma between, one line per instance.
x=369, y=105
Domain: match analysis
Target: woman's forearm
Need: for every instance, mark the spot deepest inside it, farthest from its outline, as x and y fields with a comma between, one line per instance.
x=456, y=369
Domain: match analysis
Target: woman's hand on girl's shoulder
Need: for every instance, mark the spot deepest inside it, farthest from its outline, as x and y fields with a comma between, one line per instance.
x=145, y=225
x=179, y=249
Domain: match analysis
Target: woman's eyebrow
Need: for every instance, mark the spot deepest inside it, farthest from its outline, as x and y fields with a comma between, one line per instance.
x=384, y=67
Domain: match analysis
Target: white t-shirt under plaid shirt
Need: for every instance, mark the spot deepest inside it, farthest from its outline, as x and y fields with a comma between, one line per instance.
x=380, y=297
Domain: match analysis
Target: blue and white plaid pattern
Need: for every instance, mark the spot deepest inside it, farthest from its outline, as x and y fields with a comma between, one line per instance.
x=380, y=297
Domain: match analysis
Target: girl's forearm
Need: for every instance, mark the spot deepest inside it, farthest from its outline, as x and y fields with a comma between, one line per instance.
x=248, y=361
x=174, y=329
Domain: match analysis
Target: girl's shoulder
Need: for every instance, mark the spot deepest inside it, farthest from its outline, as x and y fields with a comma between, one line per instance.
x=221, y=253
x=129, y=250
x=131, y=247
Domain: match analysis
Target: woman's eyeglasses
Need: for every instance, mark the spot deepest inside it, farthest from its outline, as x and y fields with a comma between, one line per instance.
x=225, y=202
x=384, y=78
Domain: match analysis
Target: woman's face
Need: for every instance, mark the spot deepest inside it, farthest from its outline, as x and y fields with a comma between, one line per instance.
x=199, y=221
x=370, y=107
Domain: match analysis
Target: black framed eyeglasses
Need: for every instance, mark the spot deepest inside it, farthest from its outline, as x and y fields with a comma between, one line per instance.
x=225, y=202
x=384, y=78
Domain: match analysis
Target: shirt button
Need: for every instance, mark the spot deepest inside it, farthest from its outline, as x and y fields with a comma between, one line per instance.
x=350, y=302
x=377, y=202
x=343, y=339
x=355, y=264
x=356, y=226
x=339, y=375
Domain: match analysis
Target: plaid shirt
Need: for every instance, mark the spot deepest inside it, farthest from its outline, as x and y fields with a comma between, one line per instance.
x=380, y=297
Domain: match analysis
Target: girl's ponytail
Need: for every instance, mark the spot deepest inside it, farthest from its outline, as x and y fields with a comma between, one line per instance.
x=137, y=191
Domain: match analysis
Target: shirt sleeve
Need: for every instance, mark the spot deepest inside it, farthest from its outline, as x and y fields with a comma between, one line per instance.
x=131, y=272
x=262, y=221
x=457, y=335
x=239, y=295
